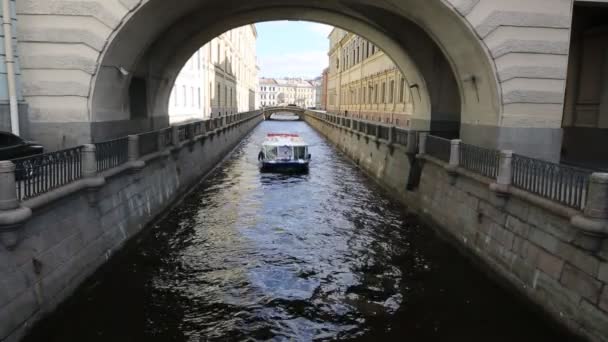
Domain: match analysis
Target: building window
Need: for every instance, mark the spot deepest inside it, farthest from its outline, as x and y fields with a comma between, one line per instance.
x=391, y=91
x=402, y=92
x=383, y=95
x=185, y=96
x=219, y=94
x=375, y=93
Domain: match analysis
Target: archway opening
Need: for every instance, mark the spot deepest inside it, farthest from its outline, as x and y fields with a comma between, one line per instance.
x=436, y=56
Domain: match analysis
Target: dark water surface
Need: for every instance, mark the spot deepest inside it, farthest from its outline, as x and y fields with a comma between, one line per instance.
x=322, y=256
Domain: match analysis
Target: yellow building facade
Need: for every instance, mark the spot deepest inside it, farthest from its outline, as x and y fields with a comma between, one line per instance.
x=363, y=82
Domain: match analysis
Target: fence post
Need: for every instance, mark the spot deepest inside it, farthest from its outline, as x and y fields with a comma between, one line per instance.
x=161, y=140
x=89, y=160
x=175, y=136
x=411, y=142
x=191, y=132
x=505, y=168
x=454, y=153
x=422, y=143
x=454, y=160
x=13, y=215
x=505, y=172
x=391, y=134
x=597, y=197
x=133, y=148
x=594, y=221
x=8, y=187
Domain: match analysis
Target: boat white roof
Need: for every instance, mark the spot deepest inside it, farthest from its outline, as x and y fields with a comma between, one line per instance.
x=282, y=139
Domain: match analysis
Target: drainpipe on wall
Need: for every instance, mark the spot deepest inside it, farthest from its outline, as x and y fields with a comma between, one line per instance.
x=7, y=25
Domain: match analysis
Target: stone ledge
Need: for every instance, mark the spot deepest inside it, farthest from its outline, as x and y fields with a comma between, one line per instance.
x=64, y=191
x=553, y=207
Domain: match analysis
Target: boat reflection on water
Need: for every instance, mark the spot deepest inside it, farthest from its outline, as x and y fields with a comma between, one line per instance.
x=284, y=153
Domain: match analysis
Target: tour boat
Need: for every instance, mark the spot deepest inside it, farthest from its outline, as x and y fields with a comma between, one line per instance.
x=284, y=153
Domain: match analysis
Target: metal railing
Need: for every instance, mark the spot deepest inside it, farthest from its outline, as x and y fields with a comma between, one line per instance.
x=383, y=132
x=401, y=136
x=42, y=173
x=372, y=129
x=363, y=127
x=438, y=147
x=480, y=160
x=208, y=125
x=166, y=137
x=148, y=143
x=110, y=154
x=564, y=184
x=197, y=128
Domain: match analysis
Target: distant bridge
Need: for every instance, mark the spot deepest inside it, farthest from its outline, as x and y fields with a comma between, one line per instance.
x=298, y=111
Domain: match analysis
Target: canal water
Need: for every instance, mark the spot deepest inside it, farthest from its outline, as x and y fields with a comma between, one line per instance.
x=321, y=256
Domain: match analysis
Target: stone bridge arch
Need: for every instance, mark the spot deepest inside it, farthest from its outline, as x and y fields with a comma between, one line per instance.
x=455, y=52
x=269, y=111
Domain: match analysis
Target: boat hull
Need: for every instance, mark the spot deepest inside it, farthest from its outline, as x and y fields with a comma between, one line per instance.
x=287, y=167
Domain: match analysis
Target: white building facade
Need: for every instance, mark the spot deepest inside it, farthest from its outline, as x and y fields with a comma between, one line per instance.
x=286, y=91
x=219, y=79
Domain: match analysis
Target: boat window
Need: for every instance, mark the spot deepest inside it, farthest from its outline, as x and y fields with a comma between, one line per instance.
x=299, y=152
x=285, y=152
x=271, y=152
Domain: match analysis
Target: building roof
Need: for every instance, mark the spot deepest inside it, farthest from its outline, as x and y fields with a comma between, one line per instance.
x=283, y=139
x=267, y=81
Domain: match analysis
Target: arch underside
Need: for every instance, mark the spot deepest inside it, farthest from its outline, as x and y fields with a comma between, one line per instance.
x=269, y=112
x=429, y=42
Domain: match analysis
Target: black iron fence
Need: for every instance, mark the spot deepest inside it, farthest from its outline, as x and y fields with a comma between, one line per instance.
x=363, y=127
x=166, y=137
x=148, y=143
x=480, y=160
x=401, y=136
x=560, y=183
x=42, y=173
x=564, y=184
x=438, y=147
x=383, y=132
x=110, y=154
x=39, y=174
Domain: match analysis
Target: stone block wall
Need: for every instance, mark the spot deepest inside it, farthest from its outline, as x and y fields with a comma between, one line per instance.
x=531, y=248
x=67, y=240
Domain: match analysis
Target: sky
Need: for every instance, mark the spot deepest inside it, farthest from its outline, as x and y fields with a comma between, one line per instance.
x=292, y=48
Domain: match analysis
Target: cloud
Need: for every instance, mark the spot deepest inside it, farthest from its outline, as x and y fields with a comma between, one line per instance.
x=301, y=64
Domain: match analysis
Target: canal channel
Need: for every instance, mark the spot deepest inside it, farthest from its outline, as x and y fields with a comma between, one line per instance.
x=322, y=256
